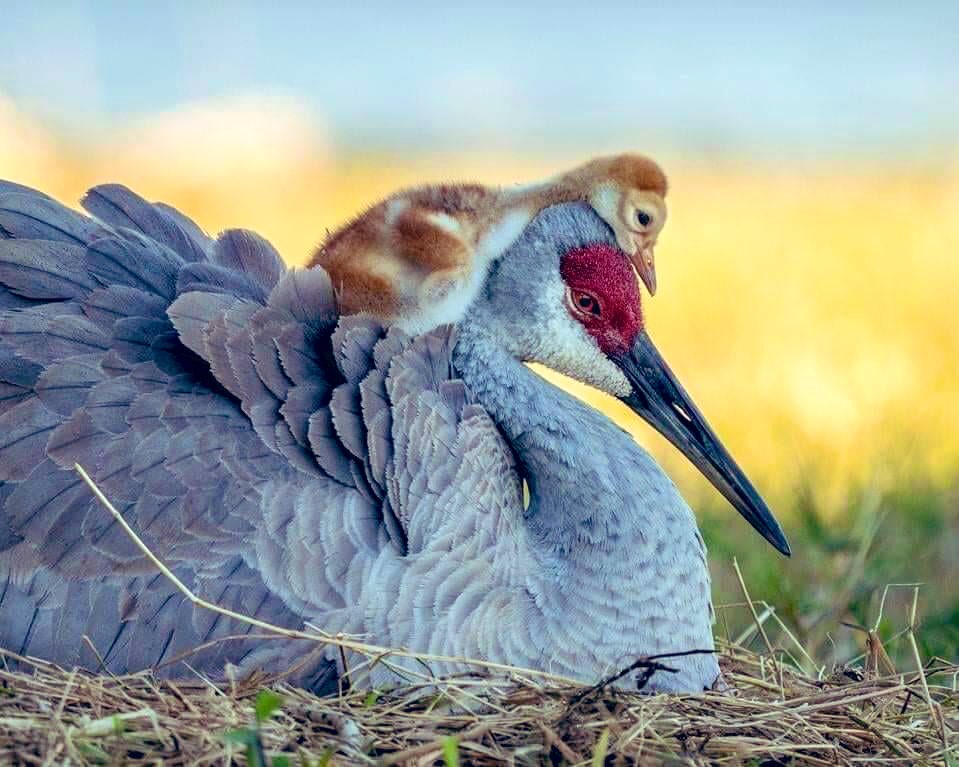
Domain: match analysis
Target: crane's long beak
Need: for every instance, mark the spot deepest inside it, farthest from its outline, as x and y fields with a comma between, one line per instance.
x=663, y=403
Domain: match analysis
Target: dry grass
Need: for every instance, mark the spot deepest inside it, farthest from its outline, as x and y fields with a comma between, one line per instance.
x=777, y=716
x=772, y=713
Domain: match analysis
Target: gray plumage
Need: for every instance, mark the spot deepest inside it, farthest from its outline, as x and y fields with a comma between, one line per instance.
x=297, y=467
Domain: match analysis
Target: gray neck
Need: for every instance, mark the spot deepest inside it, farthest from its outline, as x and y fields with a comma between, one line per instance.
x=616, y=565
x=589, y=481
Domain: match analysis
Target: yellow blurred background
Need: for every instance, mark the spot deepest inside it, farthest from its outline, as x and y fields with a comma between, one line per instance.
x=810, y=310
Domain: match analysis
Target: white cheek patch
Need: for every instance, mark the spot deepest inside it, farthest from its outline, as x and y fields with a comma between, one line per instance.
x=564, y=345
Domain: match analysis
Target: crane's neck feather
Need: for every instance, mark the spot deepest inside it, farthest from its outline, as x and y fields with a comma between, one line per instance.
x=610, y=541
x=590, y=483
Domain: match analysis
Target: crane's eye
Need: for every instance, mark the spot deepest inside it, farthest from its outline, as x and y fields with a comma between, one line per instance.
x=643, y=218
x=586, y=303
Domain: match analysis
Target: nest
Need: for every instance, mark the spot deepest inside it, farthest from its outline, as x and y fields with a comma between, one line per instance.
x=774, y=712
x=773, y=715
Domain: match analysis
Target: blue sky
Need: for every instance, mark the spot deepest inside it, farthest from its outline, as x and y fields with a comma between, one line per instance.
x=811, y=78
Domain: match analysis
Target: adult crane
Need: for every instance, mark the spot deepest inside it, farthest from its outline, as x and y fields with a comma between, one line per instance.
x=296, y=465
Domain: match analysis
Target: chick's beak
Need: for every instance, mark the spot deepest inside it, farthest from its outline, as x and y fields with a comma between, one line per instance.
x=645, y=267
x=662, y=402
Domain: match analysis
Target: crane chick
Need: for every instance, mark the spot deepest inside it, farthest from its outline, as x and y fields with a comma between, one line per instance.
x=418, y=258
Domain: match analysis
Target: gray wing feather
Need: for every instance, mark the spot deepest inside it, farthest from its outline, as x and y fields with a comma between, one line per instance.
x=300, y=404
x=28, y=215
x=391, y=345
x=26, y=508
x=134, y=338
x=375, y=406
x=299, y=355
x=43, y=270
x=192, y=313
x=24, y=431
x=75, y=440
x=353, y=343
x=36, y=336
x=104, y=306
x=307, y=296
x=239, y=351
x=216, y=335
x=244, y=252
x=116, y=205
x=12, y=187
x=380, y=446
x=108, y=402
x=61, y=385
x=325, y=444
x=270, y=454
x=102, y=377
x=264, y=325
x=297, y=454
x=188, y=225
x=149, y=466
x=17, y=380
x=211, y=278
x=348, y=419
x=135, y=262
x=11, y=300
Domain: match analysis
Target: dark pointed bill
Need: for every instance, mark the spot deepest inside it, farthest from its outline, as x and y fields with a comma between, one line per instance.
x=663, y=403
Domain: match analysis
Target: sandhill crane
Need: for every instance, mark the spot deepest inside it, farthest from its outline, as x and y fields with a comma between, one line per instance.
x=297, y=465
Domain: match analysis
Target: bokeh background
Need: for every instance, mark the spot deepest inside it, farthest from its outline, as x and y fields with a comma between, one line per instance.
x=809, y=272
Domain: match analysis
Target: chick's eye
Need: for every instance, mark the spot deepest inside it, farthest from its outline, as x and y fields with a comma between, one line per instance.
x=643, y=218
x=587, y=303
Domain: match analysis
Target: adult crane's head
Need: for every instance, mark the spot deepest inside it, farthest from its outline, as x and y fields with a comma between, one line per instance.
x=566, y=296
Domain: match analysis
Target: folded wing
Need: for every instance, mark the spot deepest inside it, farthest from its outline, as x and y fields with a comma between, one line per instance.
x=271, y=453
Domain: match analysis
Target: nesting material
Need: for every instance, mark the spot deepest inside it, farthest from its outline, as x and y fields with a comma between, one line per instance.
x=776, y=716
x=771, y=714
